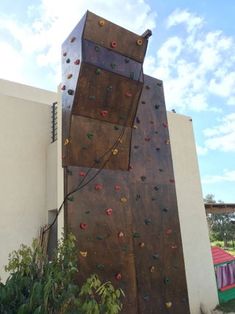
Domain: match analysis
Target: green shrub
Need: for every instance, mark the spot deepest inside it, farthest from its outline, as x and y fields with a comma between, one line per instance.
x=38, y=286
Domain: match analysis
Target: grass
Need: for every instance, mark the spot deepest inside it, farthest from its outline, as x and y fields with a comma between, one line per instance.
x=229, y=249
x=227, y=307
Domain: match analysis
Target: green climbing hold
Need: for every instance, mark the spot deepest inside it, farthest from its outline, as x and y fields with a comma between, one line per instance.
x=89, y=136
x=136, y=235
x=70, y=198
x=100, y=266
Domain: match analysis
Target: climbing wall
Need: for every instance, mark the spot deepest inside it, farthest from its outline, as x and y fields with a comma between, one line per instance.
x=125, y=217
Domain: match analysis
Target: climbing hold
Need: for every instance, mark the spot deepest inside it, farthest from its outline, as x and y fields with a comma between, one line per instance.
x=113, y=65
x=160, y=170
x=156, y=188
x=152, y=269
x=113, y=44
x=147, y=87
x=64, y=54
x=169, y=231
x=143, y=102
x=172, y=181
x=83, y=253
x=91, y=97
x=143, y=178
x=130, y=167
x=132, y=74
x=128, y=94
x=109, y=88
x=115, y=151
x=135, y=127
x=166, y=280
x=103, y=113
x=141, y=244
x=155, y=256
x=83, y=226
x=99, y=238
x=69, y=76
x=136, y=147
x=116, y=128
x=137, y=120
x=165, y=210
x=168, y=305
x=120, y=140
x=117, y=188
x=97, y=48
x=147, y=221
x=118, y=276
x=77, y=62
x=136, y=235
x=137, y=197
x=66, y=142
x=82, y=174
x=120, y=234
x=157, y=149
x=109, y=211
x=89, y=136
x=70, y=198
x=174, y=247
x=164, y=125
x=146, y=297
x=98, y=187
x=101, y=23
x=167, y=142
x=70, y=92
x=63, y=87
x=100, y=266
x=151, y=122
x=123, y=200
x=157, y=106
x=97, y=71
x=147, y=139
x=87, y=212
x=127, y=60
x=139, y=42
x=159, y=84
x=68, y=60
x=72, y=39
x=69, y=172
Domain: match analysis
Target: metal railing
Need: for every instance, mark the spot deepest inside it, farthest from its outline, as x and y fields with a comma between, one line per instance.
x=54, y=122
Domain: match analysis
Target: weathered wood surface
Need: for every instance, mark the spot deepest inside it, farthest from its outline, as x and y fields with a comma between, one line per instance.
x=140, y=239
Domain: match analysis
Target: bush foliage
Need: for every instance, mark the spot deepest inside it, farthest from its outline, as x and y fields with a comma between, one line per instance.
x=38, y=286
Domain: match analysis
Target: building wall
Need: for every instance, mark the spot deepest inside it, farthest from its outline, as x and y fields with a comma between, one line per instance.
x=24, y=139
x=194, y=231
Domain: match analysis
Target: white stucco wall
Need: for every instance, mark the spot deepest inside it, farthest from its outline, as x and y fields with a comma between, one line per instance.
x=194, y=231
x=24, y=139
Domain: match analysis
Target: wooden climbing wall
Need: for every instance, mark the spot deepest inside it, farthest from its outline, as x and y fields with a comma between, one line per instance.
x=126, y=218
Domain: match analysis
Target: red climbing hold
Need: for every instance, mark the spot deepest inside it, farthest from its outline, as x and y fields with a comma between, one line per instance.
x=63, y=87
x=82, y=174
x=104, y=113
x=98, y=187
x=113, y=44
x=128, y=94
x=169, y=231
x=118, y=276
x=117, y=188
x=109, y=211
x=77, y=62
x=147, y=139
x=172, y=181
x=164, y=125
x=83, y=226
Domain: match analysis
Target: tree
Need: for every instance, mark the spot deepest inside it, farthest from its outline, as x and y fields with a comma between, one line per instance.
x=221, y=226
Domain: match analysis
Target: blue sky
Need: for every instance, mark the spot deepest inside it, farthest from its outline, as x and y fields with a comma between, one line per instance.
x=192, y=50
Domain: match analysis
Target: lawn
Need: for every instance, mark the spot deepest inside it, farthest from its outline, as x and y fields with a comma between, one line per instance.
x=227, y=307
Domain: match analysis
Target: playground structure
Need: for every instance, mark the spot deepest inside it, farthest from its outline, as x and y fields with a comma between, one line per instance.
x=125, y=217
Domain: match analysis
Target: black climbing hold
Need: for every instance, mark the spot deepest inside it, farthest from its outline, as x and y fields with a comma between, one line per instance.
x=161, y=170
x=137, y=197
x=165, y=210
x=136, y=147
x=70, y=92
x=155, y=256
x=157, y=149
x=147, y=221
x=157, y=106
x=137, y=120
x=68, y=60
x=156, y=188
x=143, y=178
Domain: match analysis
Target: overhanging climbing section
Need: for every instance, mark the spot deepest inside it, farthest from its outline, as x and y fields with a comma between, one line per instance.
x=102, y=83
x=125, y=217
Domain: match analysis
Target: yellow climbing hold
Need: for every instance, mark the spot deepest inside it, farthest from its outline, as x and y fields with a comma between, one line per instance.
x=83, y=253
x=139, y=42
x=123, y=200
x=152, y=269
x=101, y=23
x=168, y=305
x=66, y=142
x=115, y=151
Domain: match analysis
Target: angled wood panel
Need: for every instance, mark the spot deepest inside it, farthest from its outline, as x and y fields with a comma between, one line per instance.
x=148, y=255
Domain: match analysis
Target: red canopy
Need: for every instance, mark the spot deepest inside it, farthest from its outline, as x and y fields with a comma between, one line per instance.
x=220, y=256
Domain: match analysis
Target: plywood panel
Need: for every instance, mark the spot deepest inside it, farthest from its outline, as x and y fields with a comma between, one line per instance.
x=149, y=255
x=126, y=41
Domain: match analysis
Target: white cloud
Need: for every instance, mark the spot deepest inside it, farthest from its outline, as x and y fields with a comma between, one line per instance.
x=227, y=176
x=201, y=151
x=222, y=136
x=192, y=21
x=50, y=23
x=195, y=65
